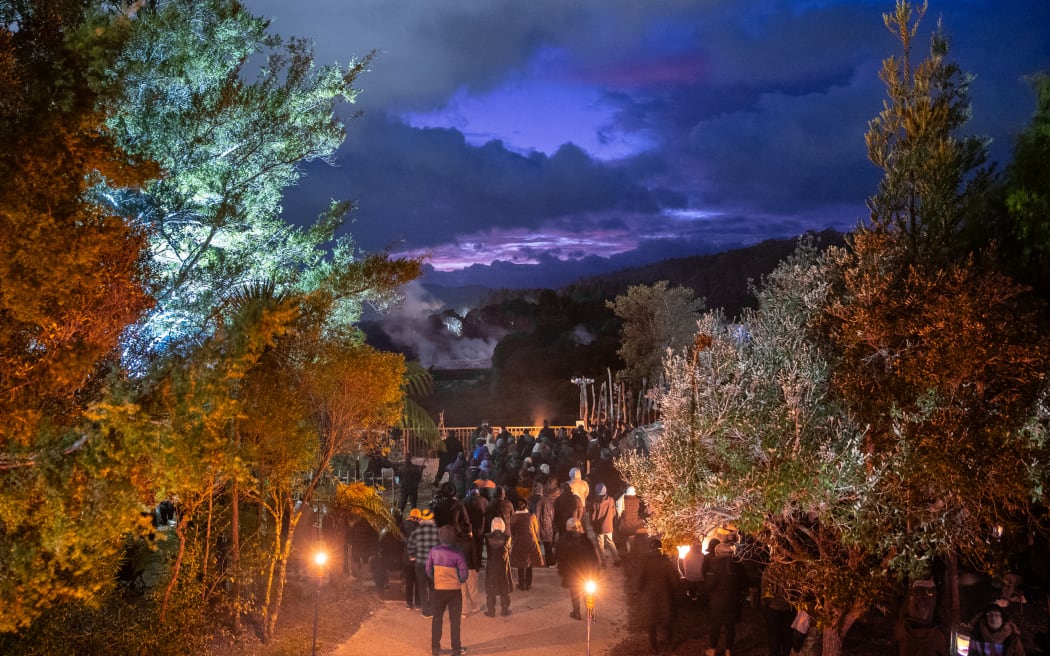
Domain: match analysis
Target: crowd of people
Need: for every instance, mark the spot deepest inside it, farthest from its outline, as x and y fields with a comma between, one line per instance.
x=511, y=503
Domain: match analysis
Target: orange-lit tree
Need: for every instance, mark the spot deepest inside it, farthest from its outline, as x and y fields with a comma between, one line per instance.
x=937, y=352
x=71, y=281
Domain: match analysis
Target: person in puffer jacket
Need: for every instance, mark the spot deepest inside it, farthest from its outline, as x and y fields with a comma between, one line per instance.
x=447, y=568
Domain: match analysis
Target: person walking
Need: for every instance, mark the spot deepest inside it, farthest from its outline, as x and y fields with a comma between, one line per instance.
x=577, y=563
x=656, y=585
x=447, y=568
x=498, y=544
x=603, y=512
x=525, y=552
x=423, y=539
x=408, y=565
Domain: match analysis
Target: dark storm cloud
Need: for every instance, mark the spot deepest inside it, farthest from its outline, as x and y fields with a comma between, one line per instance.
x=753, y=113
x=425, y=186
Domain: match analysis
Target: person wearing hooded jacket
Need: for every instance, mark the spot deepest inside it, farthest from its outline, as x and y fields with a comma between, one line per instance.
x=603, y=512
x=578, y=486
x=993, y=634
x=498, y=544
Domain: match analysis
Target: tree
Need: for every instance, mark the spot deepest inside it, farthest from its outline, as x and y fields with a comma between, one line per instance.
x=936, y=351
x=228, y=147
x=1022, y=228
x=655, y=319
x=70, y=282
x=752, y=437
x=932, y=184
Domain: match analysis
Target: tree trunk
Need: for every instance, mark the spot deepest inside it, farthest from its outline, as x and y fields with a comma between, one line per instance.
x=207, y=543
x=835, y=633
x=951, y=581
x=282, y=576
x=264, y=611
x=235, y=557
x=174, y=570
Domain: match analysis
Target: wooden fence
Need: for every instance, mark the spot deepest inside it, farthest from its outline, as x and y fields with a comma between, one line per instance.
x=417, y=447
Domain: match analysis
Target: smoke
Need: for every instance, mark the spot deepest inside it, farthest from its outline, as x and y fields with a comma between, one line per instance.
x=421, y=325
x=581, y=335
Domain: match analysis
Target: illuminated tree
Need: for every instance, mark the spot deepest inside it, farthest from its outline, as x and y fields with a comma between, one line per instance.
x=229, y=143
x=932, y=184
x=655, y=319
x=939, y=354
x=751, y=437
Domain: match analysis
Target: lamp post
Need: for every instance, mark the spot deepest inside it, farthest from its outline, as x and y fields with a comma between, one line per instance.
x=320, y=558
x=588, y=598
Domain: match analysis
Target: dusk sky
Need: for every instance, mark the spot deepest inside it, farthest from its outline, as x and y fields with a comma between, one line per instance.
x=528, y=143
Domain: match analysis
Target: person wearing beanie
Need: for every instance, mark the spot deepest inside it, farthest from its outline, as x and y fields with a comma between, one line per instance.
x=993, y=634
x=603, y=511
x=447, y=568
x=423, y=539
x=577, y=562
x=498, y=544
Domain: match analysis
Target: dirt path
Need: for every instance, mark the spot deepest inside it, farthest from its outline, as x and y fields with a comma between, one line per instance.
x=539, y=624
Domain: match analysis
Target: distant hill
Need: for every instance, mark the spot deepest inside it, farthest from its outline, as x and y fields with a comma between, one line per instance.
x=721, y=279
x=457, y=298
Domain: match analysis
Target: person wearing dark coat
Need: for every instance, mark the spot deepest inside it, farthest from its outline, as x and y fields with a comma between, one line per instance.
x=498, y=544
x=408, y=478
x=567, y=506
x=727, y=584
x=448, y=456
x=476, y=504
x=498, y=507
x=526, y=552
x=656, y=586
x=413, y=598
x=577, y=562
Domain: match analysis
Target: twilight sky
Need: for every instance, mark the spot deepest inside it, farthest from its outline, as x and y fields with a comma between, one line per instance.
x=526, y=143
